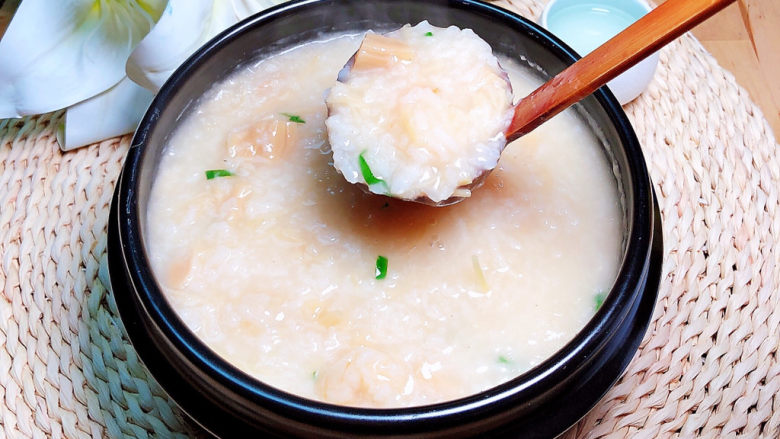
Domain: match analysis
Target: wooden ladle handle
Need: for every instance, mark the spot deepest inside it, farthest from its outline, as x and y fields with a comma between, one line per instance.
x=651, y=32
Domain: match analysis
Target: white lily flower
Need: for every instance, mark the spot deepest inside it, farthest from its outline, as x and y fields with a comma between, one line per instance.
x=114, y=112
x=184, y=26
x=74, y=54
x=58, y=53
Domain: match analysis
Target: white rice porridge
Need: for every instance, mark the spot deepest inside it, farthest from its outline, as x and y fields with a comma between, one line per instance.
x=406, y=109
x=274, y=266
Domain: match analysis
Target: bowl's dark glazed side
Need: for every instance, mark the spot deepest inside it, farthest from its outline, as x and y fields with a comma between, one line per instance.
x=541, y=403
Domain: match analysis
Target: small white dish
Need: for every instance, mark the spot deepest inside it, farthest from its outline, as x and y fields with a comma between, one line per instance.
x=586, y=24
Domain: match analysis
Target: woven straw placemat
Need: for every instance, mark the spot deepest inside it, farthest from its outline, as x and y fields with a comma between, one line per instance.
x=709, y=365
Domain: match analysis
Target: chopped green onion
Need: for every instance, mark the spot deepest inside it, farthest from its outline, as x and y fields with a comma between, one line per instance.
x=504, y=360
x=370, y=179
x=314, y=375
x=368, y=176
x=214, y=173
x=381, y=267
x=429, y=34
x=293, y=118
x=599, y=299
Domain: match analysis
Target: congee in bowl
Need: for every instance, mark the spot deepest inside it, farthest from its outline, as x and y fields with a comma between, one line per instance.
x=305, y=282
x=419, y=113
x=269, y=296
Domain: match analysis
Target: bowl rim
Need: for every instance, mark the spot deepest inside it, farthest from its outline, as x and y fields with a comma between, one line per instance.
x=590, y=339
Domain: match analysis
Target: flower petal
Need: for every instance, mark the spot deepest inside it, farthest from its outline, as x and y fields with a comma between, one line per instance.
x=178, y=33
x=57, y=53
x=112, y=113
x=183, y=28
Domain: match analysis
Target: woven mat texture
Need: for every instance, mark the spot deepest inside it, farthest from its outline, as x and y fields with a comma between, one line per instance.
x=709, y=365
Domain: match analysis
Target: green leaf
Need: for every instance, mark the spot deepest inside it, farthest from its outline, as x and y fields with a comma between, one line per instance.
x=504, y=360
x=429, y=34
x=293, y=118
x=381, y=267
x=214, y=173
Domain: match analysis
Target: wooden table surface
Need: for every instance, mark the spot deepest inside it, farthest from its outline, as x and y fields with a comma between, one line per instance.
x=744, y=38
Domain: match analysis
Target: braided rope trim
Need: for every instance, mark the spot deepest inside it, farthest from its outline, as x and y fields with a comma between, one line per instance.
x=66, y=367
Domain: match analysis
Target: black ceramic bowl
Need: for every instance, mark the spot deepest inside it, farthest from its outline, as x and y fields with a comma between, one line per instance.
x=540, y=403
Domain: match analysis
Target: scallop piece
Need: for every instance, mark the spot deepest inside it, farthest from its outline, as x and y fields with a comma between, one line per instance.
x=269, y=138
x=419, y=113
